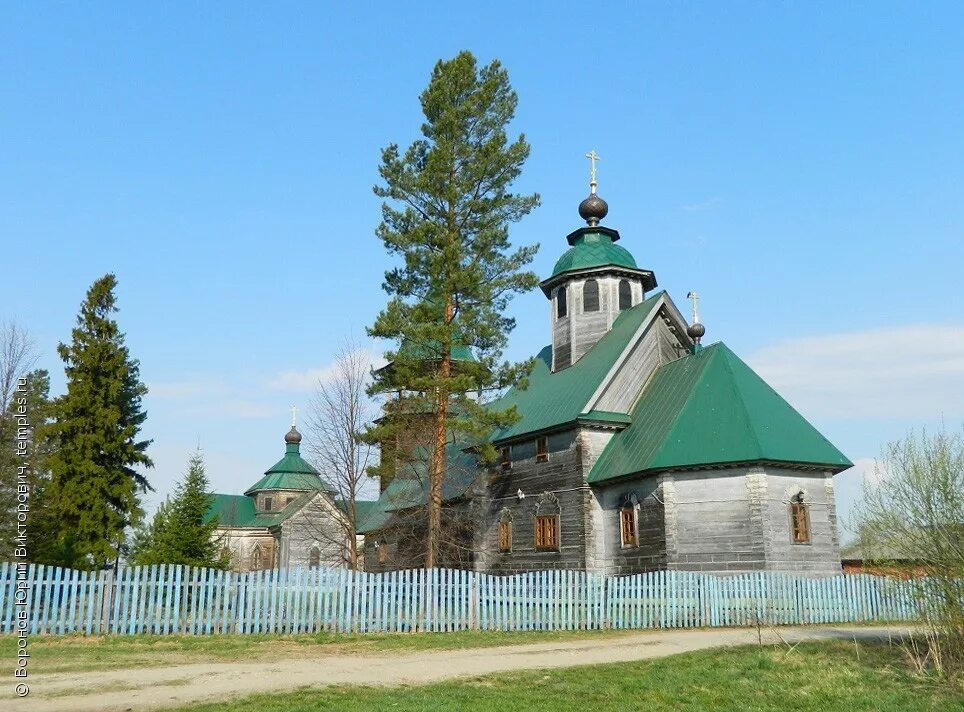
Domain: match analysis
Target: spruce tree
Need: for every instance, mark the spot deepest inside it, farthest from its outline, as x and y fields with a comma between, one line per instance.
x=94, y=490
x=180, y=532
x=446, y=214
x=148, y=541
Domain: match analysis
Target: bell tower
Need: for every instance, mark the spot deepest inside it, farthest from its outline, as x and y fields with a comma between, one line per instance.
x=593, y=281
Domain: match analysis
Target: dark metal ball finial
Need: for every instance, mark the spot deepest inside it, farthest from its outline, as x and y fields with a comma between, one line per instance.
x=593, y=209
x=293, y=437
x=695, y=331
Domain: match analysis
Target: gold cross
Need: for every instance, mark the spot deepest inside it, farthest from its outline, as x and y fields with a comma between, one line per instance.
x=593, y=157
x=695, y=298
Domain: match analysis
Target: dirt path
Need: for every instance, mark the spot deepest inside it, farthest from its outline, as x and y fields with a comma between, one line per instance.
x=158, y=688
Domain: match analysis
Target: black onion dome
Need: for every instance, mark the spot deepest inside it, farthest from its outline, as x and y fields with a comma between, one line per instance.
x=695, y=331
x=593, y=209
x=293, y=437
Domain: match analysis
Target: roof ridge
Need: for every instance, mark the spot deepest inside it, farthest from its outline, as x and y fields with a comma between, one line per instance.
x=727, y=364
x=710, y=353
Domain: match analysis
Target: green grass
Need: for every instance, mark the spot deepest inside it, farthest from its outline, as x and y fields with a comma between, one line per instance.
x=79, y=654
x=815, y=677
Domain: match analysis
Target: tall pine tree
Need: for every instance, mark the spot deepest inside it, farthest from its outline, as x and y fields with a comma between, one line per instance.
x=180, y=532
x=446, y=215
x=94, y=489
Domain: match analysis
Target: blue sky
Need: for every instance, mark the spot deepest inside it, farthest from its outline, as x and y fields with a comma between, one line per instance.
x=800, y=165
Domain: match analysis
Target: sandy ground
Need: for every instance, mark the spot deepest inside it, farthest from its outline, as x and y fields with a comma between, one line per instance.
x=171, y=686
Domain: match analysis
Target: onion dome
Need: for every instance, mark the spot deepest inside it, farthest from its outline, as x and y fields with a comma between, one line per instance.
x=290, y=473
x=593, y=209
x=695, y=331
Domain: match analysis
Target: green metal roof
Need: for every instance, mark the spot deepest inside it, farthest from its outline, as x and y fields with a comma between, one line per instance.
x=238, y=510
x=605, y=416
x=553, y=399
x=375, y=517
x=593, y=249
x=411, y=489
x=232, y=510
x=433, y=351
x=291, y=472
x=362, y=509
x=710, y=408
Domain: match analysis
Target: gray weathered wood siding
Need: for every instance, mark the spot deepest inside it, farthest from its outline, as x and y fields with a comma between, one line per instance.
x=577, y=332
x=561, y=475
x=404, y=539
x=318, y=523
x=656, y=347
x=649, y=553
x=241, y=543
x=710, y=522
x=822, y=554
x=279, y=499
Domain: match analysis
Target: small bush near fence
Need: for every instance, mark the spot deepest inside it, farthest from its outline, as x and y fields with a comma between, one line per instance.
x=178, y=599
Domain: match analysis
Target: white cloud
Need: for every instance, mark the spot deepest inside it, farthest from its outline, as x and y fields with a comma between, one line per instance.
x=909, y=372
x=308, y=380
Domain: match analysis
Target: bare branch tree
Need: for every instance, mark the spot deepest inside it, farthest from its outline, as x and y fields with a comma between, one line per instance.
x=17, y=357
x=338, y=413
x=913, y=511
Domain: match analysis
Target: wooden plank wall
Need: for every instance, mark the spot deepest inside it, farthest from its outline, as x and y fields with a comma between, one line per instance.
x=185, y=600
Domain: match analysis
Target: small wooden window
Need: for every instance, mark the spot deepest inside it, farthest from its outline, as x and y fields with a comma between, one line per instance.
x=799, y=522
x=590, y=296
x=547, y=532
x=542, y=449
x=627, y=525
x=625, y=294
x=561, y=307
x=257, y=558
x=314, y=557
x=267, y=504
x=505, y=536
x=506, y=458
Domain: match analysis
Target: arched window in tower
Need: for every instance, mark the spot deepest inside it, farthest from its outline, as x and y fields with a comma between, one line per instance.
x=561, y=306
x=314, y=557
x=625, y=294
x=799, y=519
x=590, y=296
x=505, y=532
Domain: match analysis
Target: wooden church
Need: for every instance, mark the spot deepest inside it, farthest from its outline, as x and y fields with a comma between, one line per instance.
x=638, y=448
x=288, y=518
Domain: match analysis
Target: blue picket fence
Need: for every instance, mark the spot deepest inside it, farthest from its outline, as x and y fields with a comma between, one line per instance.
x=185, y=600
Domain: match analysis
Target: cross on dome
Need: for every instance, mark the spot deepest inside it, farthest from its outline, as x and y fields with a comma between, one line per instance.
x=593, y=157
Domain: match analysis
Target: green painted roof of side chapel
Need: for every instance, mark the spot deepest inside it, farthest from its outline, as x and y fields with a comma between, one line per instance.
x=238, y=510
x=710, y=408
x=553, y=399
x=593, y=250
x=292, y=472
x=232, y=510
